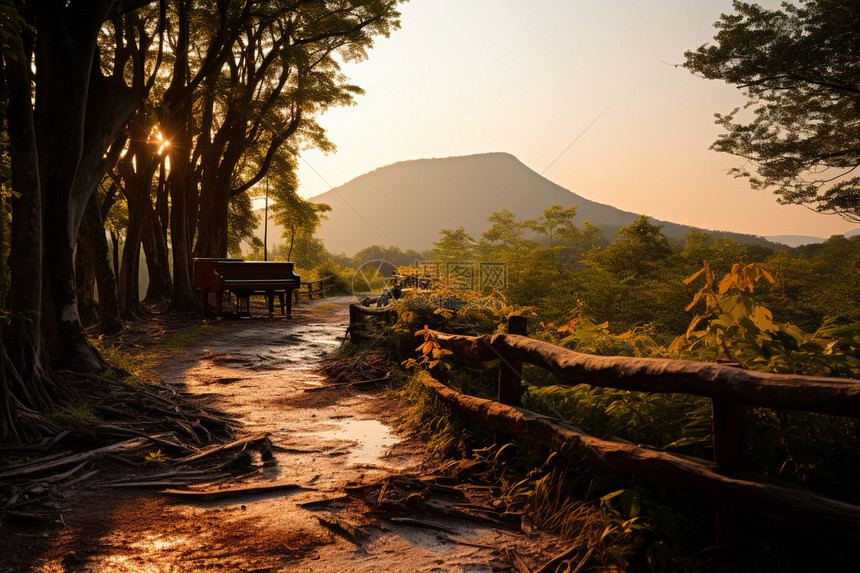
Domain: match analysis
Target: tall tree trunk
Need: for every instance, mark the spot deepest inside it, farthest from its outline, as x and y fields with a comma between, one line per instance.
x=85, y=284
x=292, y=239
x=162, y=208
x=95, y=241
x=64, y=61
x=114, y=251
x=182, y=213
x=24, y=381
x=180, y=182
x=214, y=207
x=215, y=190
x=155, y=248
x=78, y=113
x=4, y=286
x=128, y=290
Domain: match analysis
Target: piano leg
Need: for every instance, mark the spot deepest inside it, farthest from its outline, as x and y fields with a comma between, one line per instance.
x=281, y=300
x=289, y=306
x=270, y=298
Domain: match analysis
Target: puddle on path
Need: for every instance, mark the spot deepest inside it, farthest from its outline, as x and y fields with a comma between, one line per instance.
x=372, y=440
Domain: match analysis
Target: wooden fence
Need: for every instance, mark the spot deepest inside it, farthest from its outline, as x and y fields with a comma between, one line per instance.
x=322, y=285
x=361, y=311
x=726, y=479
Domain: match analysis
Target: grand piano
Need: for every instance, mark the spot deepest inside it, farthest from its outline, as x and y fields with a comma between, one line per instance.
x=244, y=278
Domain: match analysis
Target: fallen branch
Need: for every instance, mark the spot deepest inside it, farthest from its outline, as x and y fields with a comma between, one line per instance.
x=218, y=494
x=40, y=466
x=321, y=502
x=420, y=523
x=516, y=560
x=551, y=565
x=238, y=444
x=459, y=513
x=421, y=484
x=583, y=561
x=347, y=530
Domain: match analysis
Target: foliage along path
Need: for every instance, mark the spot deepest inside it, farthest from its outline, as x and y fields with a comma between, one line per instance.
x=264, y=373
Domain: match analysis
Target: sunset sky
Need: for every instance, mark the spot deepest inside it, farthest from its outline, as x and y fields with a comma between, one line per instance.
x=474, y=76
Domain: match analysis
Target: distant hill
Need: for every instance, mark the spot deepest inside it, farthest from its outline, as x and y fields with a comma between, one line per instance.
x=797, y=240
x=407, y=203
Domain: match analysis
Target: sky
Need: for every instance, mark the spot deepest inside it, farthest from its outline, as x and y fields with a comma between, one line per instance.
x=586, y=93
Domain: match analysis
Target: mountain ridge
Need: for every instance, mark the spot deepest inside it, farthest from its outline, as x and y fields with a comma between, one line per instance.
x=406, y=203
x=798, y=240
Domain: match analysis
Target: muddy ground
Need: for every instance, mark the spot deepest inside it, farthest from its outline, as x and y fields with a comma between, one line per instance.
x=263, y=372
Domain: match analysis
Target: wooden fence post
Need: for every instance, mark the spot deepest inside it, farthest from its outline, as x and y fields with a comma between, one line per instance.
x=730, y=452
x=355, y=325
x=510, y=375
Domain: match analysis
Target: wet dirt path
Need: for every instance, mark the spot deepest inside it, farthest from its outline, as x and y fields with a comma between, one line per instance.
x=259, y=373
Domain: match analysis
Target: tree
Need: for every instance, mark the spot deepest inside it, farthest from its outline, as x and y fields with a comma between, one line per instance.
x=454, y=245
x=557, y=224
x=64, y=113
x=639, y=251
x=798, y=68
x=282, y=72
x=554, y=222
x=505, y=230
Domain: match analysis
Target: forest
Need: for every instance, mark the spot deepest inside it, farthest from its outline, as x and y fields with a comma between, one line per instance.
x=140, y=135
x=151, y=124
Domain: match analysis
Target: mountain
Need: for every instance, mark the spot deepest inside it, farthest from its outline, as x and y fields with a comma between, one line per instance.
x=407, y=203
x=797, y=240
x=794, y=240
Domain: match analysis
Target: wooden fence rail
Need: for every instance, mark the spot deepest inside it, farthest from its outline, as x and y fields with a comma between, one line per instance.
x=725, y=480
x=838, y=396
x=323, y=285
x=360, y=311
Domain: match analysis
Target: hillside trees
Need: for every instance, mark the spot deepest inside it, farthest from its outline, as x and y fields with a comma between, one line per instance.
x=798, y=67
x=504, y=232
x=554, y=222
x=299, y=218
x=454, y=245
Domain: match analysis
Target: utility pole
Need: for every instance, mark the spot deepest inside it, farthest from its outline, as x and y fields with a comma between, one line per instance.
x=266, y=224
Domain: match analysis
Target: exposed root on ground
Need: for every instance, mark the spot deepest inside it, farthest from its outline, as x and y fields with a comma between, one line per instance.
x=153, y=433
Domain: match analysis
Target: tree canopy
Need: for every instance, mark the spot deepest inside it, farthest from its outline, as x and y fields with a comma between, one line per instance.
x=799, y=67
x=167, y=113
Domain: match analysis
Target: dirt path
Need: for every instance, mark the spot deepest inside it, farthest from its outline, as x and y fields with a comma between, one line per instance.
x=324, y=441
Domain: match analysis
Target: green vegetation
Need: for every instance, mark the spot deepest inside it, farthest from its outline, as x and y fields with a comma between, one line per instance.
x=187, y=336
x=642, y=296
x=73, y=415
x=155, y=458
